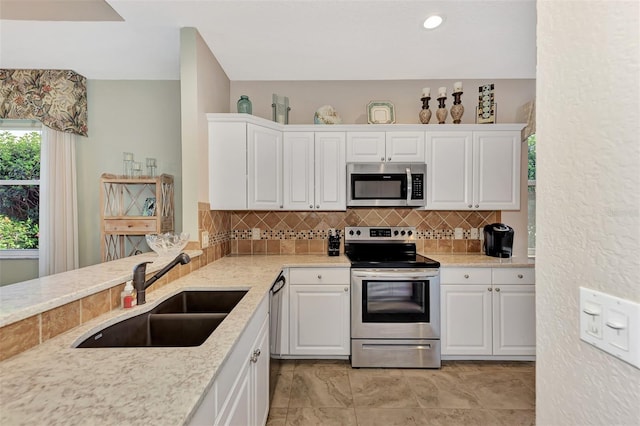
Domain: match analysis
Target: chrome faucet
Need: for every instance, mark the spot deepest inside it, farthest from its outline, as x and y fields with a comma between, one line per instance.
x=140, y=270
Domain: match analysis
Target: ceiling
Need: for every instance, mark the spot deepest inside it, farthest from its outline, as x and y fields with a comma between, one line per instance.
x=274, y=40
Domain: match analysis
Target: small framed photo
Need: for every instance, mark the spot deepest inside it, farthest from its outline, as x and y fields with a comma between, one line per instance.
x=149, y=208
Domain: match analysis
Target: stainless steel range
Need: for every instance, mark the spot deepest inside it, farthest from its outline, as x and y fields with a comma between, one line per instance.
x=395, y=299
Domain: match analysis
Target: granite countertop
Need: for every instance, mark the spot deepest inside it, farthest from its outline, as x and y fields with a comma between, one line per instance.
x=479, y=260
x=55, y=383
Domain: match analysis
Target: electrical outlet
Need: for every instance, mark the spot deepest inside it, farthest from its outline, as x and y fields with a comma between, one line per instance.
x=204, y=237
x=457, y=233
x=473, y=233
x=255, y=234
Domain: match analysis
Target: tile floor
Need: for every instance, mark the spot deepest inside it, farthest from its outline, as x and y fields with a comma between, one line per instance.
x=330, y=392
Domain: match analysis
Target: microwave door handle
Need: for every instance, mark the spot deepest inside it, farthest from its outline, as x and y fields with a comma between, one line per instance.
x=408, y=185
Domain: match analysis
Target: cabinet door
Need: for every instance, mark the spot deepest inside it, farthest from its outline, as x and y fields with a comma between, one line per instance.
x=238, y=410
x=514, y=325
x=496, y=170
x=264, y=159
x=298, y=170
x=466, y=319
x=449, y=170
x=405, y=147
x=365, y=147
x=260, y=376
x=330, y=171
x=228, y=166
x=320, y=322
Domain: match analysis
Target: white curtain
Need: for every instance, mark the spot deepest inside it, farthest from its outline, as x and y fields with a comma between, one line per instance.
x=58, y=203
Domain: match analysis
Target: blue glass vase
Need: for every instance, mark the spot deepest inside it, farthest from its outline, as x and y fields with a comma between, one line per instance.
x=244, y=105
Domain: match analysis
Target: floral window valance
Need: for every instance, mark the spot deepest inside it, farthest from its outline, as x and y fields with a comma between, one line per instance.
x=57, y=98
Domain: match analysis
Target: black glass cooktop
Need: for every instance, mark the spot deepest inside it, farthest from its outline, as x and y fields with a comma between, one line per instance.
x=387, y=256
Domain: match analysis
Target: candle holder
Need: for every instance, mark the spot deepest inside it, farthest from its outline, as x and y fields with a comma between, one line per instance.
x=425, y=112
x=137, y=169
x=441, y=113
x=127, y=164
x=457, y=109
x=151, y=167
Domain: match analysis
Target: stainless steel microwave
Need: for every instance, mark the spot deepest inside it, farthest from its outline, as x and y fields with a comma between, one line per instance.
x=386, y=184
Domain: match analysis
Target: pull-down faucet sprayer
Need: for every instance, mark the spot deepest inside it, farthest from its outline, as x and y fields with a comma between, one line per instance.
x=140, y=270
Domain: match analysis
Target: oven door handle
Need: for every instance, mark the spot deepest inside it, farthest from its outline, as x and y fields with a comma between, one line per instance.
x=394, y=275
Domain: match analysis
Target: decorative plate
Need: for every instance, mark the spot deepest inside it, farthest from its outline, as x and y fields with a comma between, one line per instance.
x=381, y=112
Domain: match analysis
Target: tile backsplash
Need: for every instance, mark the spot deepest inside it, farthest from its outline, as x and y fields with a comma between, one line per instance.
x=299, y=232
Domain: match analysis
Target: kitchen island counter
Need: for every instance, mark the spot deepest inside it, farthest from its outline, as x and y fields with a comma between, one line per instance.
x=54, y=383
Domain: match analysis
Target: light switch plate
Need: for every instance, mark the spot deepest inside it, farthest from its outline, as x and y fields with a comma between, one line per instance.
x=457, y=233
x=611, y=324
x=255, y=233
x=205, y=239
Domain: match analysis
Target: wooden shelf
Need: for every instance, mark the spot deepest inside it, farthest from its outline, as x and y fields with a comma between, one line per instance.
x=126, y=216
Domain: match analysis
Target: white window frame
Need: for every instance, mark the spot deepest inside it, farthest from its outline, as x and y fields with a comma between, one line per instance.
x=21, y=125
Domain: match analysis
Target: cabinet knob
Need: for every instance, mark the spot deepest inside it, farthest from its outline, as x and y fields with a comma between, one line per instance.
x=381, y=158
x=498, y=289
x=310, y=206
x=281, y=206
x=317, y=206
x=470, y=206
x=489, y=289
x=466, y=275
x=255, y=355
x=319, y=276
x=477, y=205
x=389, y=159
x=520, y=276
x=346, y=289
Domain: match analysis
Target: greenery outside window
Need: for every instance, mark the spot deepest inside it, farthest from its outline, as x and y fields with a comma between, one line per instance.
x=19, y=189
x=531, y=196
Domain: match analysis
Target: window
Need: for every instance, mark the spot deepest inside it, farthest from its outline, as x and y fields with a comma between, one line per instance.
x=531, y=192
x=19, y=188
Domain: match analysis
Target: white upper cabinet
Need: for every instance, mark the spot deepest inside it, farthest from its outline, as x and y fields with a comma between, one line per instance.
x=314, y=171
x=227, y=165
x=405, y=147
x=376, y=147
x=477, y=170
x=264, y=160
x=449, y=172
x=496, y=170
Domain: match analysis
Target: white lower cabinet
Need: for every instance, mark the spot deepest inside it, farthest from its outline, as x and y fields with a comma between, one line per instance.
x=240, y=393
x=488, y=312
x=319, y=306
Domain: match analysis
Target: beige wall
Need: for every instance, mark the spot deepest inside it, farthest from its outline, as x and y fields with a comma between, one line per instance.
x=588, y=203
x=204, y=89
x=136, y=116
x=350, y=98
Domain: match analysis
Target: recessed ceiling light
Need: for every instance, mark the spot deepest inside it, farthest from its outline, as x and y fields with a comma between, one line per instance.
x=433, y=22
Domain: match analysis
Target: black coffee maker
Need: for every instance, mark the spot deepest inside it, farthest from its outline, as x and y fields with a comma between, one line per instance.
x=498, y=240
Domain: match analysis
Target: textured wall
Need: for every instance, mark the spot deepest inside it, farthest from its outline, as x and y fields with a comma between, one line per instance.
x=588, y=92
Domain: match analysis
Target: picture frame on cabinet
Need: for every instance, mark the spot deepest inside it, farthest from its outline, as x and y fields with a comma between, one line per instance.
x=149, y=208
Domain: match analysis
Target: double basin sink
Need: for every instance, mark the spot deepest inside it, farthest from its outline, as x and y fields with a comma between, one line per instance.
x=185, y=319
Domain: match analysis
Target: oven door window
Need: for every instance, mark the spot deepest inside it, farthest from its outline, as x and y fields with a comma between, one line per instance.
x=379, y=186
x=395, y=301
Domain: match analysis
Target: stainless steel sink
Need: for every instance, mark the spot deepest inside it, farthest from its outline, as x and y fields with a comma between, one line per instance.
x=185, y=319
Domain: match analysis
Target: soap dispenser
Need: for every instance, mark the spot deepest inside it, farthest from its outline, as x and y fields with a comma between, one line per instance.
x=128, y=296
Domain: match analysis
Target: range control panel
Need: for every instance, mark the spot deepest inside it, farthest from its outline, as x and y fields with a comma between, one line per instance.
x=379, y=233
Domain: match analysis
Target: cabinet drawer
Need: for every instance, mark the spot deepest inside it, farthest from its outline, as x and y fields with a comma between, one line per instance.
x=134, y=226
x=514, y=276
x=320, y=275
x=465, y=275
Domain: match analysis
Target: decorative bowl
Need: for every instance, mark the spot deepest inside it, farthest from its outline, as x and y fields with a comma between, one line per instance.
x=169, y=244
